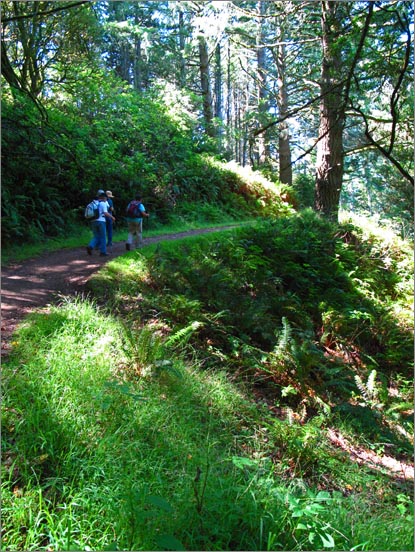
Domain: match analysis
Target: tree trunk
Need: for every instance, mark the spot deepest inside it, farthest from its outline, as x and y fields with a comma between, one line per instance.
x=237, y=125
x=205, y=85
x=284, y=148
x=122, y=50
x=230, y=123
x=182, y=44
x=218, y=94
x=329, y=168
x=30, y=36
x=262, y=146
x=218, y=83
x=137, y=66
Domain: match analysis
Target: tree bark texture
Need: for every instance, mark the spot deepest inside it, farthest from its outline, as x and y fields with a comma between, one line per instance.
x=205, y=86
x=182, y=45
x=329, y=168
x=262, y=154
x=284, y=147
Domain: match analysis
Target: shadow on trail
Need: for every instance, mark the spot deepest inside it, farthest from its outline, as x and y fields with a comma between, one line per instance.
x=38, y=281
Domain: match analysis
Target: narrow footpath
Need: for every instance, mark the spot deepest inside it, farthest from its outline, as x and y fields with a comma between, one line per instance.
x=37, y=282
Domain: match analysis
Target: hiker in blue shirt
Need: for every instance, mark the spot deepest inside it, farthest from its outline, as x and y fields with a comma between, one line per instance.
x=135, y=214
x=98, y=226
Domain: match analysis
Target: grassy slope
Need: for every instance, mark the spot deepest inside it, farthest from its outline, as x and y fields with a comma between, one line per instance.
x=157, y=433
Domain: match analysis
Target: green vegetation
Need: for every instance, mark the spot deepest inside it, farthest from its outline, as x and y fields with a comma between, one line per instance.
x=78, y=236
x=248, y=389
x=154, y=154
x=190, y=404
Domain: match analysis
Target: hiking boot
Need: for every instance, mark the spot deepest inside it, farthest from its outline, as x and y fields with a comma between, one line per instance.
x=127, y=247
x=104, y=254
x=89, y=250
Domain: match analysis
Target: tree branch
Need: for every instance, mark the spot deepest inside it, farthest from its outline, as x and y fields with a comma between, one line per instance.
x=36, y=14
x=358, y=52
x=288, y=115
x=395, y=93
x=385, y=152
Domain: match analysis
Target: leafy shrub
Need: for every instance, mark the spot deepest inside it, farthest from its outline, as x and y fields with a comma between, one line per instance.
x=126, y=142
x=304, y=185
x=294, y=273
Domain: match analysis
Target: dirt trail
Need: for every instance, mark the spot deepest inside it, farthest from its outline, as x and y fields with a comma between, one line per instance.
x=36, y=282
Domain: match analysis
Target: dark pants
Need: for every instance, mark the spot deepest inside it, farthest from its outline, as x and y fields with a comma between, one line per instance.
x=109, y=224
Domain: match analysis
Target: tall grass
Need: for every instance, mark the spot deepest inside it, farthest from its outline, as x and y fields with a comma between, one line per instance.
x=97, y=458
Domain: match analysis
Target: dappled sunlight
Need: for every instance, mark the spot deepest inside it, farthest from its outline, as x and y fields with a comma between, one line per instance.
x=395, y=468
x=182, y=409
x=249, y=389
x=156, y=429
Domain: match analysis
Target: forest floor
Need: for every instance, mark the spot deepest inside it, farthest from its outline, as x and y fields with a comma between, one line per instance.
x=39, y=281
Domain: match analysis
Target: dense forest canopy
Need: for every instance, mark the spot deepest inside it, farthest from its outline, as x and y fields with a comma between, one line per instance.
x=317, y=95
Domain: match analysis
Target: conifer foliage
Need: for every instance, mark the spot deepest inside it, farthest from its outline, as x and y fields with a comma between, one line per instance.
x=132, y=93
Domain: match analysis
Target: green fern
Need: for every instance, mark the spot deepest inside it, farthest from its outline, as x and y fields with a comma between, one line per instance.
x=284, y=339
x=182, y=336
x=371, y=384
x=142, y=348
x=369, y=390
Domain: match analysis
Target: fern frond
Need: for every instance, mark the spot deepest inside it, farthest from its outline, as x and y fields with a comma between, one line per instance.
x=360, y=385
x=284, y=339
x=371, y=384
x=368, y=390
x=182, y=336
x=141, y=347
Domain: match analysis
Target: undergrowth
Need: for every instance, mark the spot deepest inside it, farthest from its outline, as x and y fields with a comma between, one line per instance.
x=192, y=408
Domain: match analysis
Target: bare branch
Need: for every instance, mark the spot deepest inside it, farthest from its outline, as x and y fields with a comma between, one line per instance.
x=358, y=52
x=395, y=93
x=37, y=14
x=385, y=152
